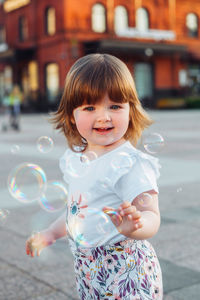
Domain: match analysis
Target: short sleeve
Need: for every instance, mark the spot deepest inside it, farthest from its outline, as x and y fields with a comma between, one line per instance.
x=141, y=177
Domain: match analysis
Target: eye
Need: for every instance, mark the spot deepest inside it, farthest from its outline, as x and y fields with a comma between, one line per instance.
x=89, y=108
x=115, y=106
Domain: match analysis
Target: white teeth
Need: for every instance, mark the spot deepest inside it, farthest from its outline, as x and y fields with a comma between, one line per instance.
x=102, y=128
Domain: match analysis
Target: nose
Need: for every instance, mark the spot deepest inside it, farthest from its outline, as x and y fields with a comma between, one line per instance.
x=103, y=116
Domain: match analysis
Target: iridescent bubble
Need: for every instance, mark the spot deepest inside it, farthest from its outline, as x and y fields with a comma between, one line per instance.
x=75, y=167
x=54, y=197
x=15, y=149
x=3, y=216
x=44, y=144
x=153, y=142
x=26, y=182
x=111, y=212
x=122, y=160
x=145, y=199
x=82, y=233
x=89, y=156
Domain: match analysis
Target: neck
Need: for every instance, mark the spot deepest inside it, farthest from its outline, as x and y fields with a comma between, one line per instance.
x=100, y=150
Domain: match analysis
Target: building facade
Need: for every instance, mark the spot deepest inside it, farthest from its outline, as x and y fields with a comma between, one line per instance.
x=159, y=40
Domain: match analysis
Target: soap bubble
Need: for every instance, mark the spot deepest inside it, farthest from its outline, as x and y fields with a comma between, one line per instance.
x=15, y=149
x=26, y=182
x=3, y=216
x=54, y=197
x=179, y=190
x=75, y=167
x=44, y=144
x=82, y=233
x=145, y=199
x=122, y=160
x=89, y=156
x=153, y=142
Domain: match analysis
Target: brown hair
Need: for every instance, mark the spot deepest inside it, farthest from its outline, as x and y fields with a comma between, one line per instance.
x=88, y=80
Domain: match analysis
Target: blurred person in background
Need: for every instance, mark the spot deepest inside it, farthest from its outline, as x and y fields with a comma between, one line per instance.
x=15, y=100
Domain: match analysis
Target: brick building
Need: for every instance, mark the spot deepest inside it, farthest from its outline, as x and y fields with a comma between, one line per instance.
x=159, y=40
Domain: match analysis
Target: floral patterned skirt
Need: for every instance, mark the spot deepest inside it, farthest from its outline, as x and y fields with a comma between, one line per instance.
x=128, y=270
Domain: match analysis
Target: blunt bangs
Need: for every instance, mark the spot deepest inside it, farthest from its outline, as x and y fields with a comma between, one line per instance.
x=90, y=81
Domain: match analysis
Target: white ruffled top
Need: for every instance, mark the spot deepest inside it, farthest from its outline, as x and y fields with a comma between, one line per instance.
x=119, y=175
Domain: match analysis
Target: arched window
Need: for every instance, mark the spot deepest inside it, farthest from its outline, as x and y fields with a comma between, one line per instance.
x=98, y=18
x=192, y=25
x=52, y=81
x=50, y=21
x=23, y=29
x=142, y=19
x=120, y=19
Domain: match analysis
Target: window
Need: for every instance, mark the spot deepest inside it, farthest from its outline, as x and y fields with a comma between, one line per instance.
x=2, y=35
x=142, y=19
x=192, y=25
x=120, y=19
x=33, y=76
x=23, y=29
x=98, y=18
x=143, y=75
x=50, y=21
x=52, y=81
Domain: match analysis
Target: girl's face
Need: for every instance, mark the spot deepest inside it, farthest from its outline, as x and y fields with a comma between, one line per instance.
x=102, y=124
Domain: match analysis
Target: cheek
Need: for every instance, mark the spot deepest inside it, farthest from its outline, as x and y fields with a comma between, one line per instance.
x=126, y=119
x=82, y=123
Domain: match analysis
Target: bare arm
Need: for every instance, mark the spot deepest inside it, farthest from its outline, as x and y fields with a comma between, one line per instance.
x=135, y=220
x=150, y=218
x=47, y=237
x=58, y=228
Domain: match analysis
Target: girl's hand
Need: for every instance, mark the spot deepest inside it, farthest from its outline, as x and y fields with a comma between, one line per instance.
x=37, y=242
x=126, y=218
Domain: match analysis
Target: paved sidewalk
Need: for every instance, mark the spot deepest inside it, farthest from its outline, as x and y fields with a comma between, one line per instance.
x=177, y=242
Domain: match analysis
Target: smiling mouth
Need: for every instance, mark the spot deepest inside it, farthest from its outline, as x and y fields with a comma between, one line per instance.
x=103, y=129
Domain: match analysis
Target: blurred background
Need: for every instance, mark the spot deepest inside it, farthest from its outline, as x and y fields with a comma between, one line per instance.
x=157, y=39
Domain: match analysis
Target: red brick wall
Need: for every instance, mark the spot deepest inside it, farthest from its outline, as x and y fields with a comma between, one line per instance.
x=73, y=26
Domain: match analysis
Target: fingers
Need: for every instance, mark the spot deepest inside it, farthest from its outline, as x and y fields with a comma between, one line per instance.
x=113, y=214
x=29, y=248
x=126, y=209
x=34, y=244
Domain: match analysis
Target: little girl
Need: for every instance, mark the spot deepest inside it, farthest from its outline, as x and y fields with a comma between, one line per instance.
x=112, y=206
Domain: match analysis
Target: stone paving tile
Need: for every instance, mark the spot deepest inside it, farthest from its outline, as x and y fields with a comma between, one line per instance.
x=168, y=297
x=21, y=287
x=186, y=214
x=176, y=277
x=171, y=231
x=7, y=270
x=178, y=196
x=190, y=261
x=192, y=292
x=179, y=248
x=55, y=296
